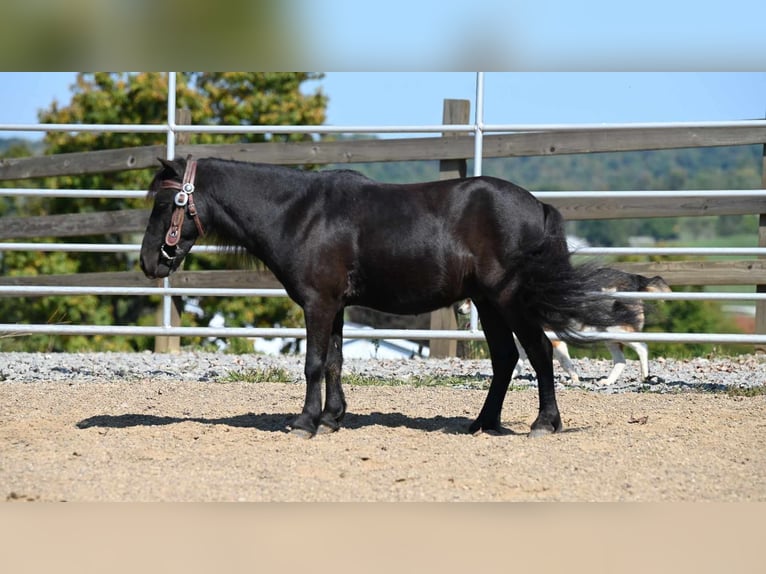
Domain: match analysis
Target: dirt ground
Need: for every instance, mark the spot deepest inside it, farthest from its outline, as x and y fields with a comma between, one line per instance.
x=203, y=441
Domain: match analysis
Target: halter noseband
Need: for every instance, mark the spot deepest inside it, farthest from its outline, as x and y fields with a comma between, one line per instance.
x=184, y=201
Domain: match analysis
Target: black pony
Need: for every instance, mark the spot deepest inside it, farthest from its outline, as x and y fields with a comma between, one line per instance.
x=337, y=238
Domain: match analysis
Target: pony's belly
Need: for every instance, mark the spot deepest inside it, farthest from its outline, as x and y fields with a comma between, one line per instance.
x=406, y=299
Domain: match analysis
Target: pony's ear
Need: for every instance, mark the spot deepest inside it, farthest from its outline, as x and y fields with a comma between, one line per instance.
x=175, y=168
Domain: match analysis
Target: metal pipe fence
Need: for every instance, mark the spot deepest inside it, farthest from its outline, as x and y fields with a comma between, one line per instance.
x=477, y=129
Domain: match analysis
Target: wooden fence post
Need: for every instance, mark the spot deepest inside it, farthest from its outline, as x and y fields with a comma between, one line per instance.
x=172, y=344
x=455, y=112
x=760, y=306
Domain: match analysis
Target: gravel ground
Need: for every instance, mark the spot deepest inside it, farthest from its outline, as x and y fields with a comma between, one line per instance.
x=137, y=427
x=700, y=374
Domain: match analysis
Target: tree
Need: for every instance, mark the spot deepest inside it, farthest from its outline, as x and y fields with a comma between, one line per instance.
x=123, y=98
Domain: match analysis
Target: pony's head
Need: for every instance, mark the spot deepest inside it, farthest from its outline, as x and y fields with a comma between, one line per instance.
x=174, y=224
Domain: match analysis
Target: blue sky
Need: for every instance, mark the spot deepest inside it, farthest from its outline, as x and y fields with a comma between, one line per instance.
x=411, y=98
x=544, y=35
x=594, y=36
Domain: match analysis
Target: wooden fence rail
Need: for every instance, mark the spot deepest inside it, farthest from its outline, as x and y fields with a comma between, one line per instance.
x=385, y=150
x=573, y=209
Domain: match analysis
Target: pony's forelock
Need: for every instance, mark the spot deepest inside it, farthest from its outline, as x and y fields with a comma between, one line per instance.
x=168, y=170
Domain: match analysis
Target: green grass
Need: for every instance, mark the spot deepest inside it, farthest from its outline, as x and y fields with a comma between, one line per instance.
x=268, y=375
x=471, y=382
x=279, y=375
x=755, y=391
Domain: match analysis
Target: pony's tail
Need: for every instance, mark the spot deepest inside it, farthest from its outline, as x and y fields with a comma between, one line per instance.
x=563, y=297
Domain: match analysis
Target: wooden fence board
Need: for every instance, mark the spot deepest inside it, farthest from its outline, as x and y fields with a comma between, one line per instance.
x=103, y=279
x=79, y=163
x=74, y=224
x=742, y=272
x=384, y=150
x=630, y=208
x=134, y=220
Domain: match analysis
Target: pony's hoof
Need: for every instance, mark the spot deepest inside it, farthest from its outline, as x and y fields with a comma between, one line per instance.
x=326, y=429
x=489, y=430
x=501, y=431
x=478, y=427
x=301, y=433
x=536, y=433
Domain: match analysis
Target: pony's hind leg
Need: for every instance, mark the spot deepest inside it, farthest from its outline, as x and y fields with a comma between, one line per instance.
x=504, y=356
x=540, y=354
x=335, y=401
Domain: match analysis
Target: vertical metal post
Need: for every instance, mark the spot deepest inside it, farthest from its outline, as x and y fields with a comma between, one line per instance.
x=478, y=138
x=171, y=135
x=478, y=152
x=162, y=344
x=167, y=301
x=760, y=306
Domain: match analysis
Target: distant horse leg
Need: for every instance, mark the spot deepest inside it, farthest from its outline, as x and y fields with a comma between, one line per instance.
x=319, y=319
x=504, y=356
x=335, y=402
x=540, y=353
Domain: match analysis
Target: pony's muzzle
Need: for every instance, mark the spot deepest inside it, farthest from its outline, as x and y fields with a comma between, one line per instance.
x=160, y=265
x=164, y=253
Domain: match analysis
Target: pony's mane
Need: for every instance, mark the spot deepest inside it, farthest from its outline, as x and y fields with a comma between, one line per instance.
x=235, y=256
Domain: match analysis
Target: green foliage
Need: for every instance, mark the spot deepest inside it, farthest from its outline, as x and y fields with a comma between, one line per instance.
x=691, y=317
x=120, y=98
x=267, y=375
x=755, y=391
x=457, y=381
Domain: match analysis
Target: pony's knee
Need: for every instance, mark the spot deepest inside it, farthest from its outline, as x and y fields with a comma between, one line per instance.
x=314, y=368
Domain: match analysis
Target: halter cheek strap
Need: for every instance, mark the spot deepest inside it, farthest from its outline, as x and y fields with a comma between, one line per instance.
x=184, y=201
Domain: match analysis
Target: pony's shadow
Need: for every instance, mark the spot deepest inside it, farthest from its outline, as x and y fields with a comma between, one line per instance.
x=278, y=422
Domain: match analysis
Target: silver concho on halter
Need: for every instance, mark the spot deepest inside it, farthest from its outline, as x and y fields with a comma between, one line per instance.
x=182, y=197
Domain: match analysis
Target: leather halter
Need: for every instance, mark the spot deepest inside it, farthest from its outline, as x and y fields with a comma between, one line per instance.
x=184, y=201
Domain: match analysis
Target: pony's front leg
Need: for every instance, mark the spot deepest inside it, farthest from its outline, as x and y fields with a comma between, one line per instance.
x=335, y=401
x=318, y=329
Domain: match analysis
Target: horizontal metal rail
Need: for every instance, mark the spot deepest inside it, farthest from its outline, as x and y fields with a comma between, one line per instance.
x=96, y=247
x=73, y=193
x=136, y=247
x=171, y=126
x=355, y=333
x=57, y=290
x=651, y=194
x=698, y=251
x=540, y=194
x=53, y=291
